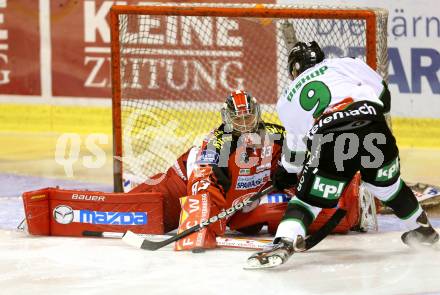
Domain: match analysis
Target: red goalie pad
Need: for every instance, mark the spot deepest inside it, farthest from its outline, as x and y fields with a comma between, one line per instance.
x=172, y=187
x=196, y=209
x=57, y=212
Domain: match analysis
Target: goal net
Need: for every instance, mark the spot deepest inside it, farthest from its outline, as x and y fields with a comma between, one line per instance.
x=174, y=64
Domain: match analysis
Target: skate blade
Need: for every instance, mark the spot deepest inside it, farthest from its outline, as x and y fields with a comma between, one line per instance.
x=254, y=263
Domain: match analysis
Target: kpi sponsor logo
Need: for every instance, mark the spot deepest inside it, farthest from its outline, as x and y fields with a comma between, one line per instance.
x=252, y=181
x=327, y=188
x=388, y=171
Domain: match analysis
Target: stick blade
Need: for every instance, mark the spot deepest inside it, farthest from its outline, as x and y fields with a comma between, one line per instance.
x=132, y=239
x=153, y=246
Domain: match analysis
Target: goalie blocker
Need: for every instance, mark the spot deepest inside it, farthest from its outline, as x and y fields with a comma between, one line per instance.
x=56, y=212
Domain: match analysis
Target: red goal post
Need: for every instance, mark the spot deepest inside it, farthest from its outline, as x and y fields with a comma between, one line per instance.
x=173, y=65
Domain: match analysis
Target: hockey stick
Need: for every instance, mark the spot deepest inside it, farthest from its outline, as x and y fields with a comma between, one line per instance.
x=227, y=242
x=119, y=235
x=138, y=241
x=326, y=229
x=134, y=240
x=289, y=34
x=311, y=240
x=269, y=257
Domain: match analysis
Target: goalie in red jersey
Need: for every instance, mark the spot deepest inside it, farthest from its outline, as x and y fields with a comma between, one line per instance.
x=235, y=161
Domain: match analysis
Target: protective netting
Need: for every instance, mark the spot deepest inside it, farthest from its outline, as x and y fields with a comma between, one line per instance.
x=176, y=71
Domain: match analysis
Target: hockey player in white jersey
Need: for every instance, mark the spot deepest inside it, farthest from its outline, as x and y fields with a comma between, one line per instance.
x=333, y=112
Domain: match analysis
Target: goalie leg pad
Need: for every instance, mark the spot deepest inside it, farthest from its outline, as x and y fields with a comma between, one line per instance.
x=57, y=212
x=195, y=209
x=172, y=186
x=269, y=212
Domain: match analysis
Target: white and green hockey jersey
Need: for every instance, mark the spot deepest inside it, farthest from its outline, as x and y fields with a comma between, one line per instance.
x=326, y=84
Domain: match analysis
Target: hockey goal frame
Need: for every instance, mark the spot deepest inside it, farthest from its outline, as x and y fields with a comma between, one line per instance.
x=198, y=9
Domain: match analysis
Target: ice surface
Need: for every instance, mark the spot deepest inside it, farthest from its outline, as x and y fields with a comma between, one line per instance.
x=354, y=264
x=371, y=263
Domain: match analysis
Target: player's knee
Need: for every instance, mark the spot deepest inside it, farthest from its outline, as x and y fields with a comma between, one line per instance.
x=384, y=193
x=398, y=196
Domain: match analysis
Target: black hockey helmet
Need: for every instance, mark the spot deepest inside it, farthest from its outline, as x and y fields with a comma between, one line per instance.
x=241, y=112
x=302, y=56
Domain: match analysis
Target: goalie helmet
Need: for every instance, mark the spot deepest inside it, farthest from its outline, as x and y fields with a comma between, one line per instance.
x=241, y=112
x=303, y=56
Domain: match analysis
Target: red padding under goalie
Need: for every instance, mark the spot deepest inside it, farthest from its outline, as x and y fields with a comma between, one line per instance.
x=56, y=212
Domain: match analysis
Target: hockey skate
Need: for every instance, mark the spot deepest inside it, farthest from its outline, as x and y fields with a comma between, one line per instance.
x=424, y=235
x=278, y=253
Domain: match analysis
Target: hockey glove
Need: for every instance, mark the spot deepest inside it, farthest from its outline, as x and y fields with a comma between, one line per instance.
x=282, y=179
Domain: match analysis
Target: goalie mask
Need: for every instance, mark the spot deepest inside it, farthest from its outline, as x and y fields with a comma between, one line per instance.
x=241, y=112
x=303, y=56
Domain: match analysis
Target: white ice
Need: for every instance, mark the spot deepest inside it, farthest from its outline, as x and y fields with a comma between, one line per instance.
x=371, y=263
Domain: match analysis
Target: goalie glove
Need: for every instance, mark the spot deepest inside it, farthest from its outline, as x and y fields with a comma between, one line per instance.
x=282, y=179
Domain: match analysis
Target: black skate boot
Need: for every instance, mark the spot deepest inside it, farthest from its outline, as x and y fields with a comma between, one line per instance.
x=424, y=235
x=278, y=253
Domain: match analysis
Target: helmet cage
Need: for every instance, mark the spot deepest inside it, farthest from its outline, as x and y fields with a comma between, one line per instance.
x=241, y=118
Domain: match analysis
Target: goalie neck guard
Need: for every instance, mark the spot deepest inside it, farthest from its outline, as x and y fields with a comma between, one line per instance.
x=303, y=56
x=241, y=112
